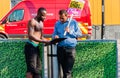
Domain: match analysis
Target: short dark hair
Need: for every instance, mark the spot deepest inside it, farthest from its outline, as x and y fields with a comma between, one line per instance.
x=63, y=12
x=41, y=9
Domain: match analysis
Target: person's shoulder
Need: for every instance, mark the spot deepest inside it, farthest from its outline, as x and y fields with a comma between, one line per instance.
x=58, y=22
x=31, y=22
x=74, y=20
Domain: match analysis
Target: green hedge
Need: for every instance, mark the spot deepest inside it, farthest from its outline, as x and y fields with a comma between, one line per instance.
x=12, y=62
x=94, y=59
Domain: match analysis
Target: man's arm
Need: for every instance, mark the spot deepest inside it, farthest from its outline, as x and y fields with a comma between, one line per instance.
x=76, y=31
x=54, y=35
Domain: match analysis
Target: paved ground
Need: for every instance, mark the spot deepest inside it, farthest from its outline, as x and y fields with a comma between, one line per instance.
x=118, y=46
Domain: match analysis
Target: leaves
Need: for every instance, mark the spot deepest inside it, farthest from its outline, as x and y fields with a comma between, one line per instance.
x=95, y=60
x=12, y=60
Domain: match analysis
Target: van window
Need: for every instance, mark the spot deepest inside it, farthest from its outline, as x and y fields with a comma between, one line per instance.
x=16, y=15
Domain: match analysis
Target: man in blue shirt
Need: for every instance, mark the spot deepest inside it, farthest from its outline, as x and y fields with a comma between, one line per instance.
x=66, y=49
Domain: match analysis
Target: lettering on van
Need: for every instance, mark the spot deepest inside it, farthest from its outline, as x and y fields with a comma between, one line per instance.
x=33, y=15
x=48, y=14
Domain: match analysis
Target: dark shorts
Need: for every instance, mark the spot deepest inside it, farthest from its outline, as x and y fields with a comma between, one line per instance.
x=32, y=56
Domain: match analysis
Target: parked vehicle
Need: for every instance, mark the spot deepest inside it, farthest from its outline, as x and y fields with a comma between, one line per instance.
x=14, y=24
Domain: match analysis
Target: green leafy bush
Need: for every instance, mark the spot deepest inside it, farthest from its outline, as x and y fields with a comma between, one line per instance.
x=94, y=59
x=12, y=62
x=12, y=59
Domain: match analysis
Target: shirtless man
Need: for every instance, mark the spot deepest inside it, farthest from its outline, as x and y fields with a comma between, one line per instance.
x=31, y=50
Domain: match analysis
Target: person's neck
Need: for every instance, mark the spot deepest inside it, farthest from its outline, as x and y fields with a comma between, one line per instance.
x=63, y=22
x=38, y=19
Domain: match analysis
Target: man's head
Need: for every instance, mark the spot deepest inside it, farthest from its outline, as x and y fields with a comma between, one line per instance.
x=41, y=14
x=63, y=16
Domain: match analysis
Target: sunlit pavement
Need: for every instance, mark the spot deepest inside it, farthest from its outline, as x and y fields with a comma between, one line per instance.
x=118, y=48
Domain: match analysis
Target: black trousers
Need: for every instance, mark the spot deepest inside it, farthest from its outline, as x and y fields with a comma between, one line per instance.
x=66, y=59
x=32, y=56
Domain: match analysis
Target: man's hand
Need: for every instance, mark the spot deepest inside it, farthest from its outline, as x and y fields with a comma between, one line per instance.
x=47, y=42
x=56, y=36
x=67, y=29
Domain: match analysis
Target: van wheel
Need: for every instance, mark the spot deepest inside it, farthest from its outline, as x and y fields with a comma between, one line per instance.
x=2, y=36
